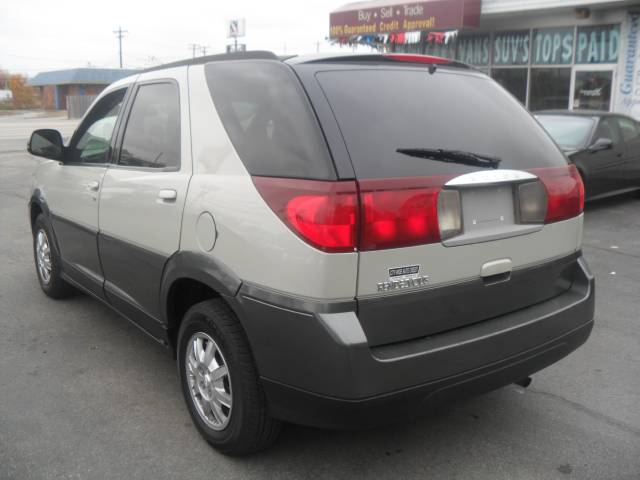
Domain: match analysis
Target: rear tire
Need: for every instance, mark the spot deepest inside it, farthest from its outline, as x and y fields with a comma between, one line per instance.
x=220, y=382
x=47, y=260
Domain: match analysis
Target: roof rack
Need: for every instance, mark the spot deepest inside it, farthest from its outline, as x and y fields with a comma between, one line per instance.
x=251, y=55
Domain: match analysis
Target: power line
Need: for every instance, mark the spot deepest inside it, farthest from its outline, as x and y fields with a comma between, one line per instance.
x=120, y=33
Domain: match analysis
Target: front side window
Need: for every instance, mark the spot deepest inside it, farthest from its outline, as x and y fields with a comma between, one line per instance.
x=152, y=135
x=97, y=129
x=629, y=129
x=607, y=129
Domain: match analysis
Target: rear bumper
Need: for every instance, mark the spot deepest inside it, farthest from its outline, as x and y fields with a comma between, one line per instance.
x=318, y=369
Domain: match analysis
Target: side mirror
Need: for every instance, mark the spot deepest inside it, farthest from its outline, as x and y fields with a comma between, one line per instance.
x=601, y=144
x=46, y=143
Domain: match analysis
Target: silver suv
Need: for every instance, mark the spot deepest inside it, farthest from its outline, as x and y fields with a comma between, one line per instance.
x=331, y=241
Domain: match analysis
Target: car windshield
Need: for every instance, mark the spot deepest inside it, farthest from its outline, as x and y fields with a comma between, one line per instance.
x=568, y=132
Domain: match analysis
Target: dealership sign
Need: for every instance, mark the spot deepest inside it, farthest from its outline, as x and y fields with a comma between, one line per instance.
x=628, y=98
x=370, y=18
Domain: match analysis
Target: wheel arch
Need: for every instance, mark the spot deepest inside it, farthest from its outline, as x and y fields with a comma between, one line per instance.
x=189, y=278
x=37, y=206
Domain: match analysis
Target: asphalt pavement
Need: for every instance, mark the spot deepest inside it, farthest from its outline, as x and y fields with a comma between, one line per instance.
x=84, y=394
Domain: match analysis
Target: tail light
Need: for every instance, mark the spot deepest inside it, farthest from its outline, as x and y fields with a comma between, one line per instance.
x=531, y=202
x=394, y=212
x=449, y=213
x=565, y=192
x=399, y=212
x=324, y=214
x=375, y=214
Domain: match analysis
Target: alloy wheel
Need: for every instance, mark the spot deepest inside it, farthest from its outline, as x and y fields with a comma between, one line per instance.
x=209, y=381
x=43, y=256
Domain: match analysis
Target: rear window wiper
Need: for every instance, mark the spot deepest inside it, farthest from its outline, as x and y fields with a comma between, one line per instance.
x=453, y=156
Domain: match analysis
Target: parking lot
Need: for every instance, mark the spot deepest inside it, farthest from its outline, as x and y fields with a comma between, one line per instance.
x=84, y=394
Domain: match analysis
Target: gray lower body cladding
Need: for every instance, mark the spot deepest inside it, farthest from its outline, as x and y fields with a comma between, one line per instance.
x=318, y=368
x=395, y=318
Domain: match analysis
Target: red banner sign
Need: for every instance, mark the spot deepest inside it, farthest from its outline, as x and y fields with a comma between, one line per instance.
x=369, y=18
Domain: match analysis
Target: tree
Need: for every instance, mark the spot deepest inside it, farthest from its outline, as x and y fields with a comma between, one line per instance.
x=23, y=95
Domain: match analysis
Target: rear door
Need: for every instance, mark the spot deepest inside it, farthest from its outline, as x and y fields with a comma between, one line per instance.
x=631, y=136
x=495, y=264
x=143, y=195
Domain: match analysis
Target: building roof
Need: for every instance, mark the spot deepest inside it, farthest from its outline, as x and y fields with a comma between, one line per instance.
x=83, y=76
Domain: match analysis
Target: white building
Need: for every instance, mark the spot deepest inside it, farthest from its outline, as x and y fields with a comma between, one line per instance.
x=6, y=95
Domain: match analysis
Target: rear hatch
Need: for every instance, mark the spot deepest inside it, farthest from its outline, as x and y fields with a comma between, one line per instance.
x=467, y=208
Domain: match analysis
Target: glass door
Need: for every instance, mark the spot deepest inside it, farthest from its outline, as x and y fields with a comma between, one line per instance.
x=592, y=87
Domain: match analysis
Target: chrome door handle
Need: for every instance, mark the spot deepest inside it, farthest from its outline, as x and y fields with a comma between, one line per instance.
x=93, y=186
x=167, y=194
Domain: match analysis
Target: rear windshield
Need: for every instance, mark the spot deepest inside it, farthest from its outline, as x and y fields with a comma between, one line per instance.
x=382, y=110
x=268, y=119
x=567, y=131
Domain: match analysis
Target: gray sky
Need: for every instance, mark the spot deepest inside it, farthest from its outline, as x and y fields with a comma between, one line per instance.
x=40, y=35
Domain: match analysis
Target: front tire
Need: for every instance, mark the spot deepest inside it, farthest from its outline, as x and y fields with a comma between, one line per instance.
x=47, y=260
x=220, y=382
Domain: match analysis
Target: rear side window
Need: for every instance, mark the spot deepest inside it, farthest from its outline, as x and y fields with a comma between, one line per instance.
x=568, y=131
x=268, y=119
x=382, y=110
x=152, y=135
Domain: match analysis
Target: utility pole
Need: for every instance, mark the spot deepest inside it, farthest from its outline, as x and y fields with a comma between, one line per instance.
x=193, y=47
x=120, y=33
x=203, y=48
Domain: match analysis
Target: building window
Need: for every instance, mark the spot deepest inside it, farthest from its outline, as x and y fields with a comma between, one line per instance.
x=537, y=65
x=514, y=80
x=592, y=90
x=552, y=46
x=549, y=88
x=511, y=48
x=474, y=49
x=599, y=44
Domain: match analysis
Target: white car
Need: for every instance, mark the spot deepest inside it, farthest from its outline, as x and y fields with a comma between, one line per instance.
x=332, y=241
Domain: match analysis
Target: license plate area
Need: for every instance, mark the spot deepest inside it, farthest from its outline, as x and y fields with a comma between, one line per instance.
x=488, y=213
